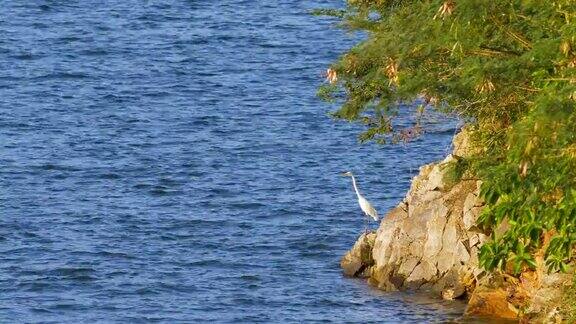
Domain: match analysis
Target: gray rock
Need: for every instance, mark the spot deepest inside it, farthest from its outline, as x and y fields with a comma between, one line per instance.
x=436, y=178
x=425, y=271
x=357, y=260
x=427, y=241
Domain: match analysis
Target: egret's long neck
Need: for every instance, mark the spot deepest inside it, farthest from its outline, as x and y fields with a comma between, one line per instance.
x=355, y=186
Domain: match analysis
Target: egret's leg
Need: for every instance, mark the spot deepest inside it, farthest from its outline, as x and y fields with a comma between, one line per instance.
x=366, y=224
x=369, y=223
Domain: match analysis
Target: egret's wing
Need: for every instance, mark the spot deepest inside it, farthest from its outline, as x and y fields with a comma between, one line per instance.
x=368, y=208
x=373, y=212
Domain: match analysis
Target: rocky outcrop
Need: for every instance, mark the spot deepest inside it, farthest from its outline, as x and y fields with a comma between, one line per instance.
x=430, y=242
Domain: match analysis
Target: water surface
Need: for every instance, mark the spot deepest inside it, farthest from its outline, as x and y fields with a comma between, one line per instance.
x=169, y=161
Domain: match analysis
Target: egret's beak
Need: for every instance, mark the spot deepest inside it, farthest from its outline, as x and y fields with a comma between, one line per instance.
x=344, y=174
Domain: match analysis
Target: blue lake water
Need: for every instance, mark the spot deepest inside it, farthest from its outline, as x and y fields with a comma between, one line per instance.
x=169, y=161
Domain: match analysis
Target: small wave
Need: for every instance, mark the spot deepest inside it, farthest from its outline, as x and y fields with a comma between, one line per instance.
x=26, y=57
x=164, y=191
x=63, y=76
x=118, y=98
x=40, y=310
x=94, y=52
x=110, y=176
x=247, y=205
x=250, y=278
x=54, y=167
x=170, y=287
x=157, y=94
x=147, y=291
x=66, y=307
x=220, y=193
x=76, y=274
x=68, y=39
x=207, y=263
x=105, y=254
x=141, y=186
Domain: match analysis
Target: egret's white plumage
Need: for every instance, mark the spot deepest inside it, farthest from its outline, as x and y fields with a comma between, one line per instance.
x=363, y=202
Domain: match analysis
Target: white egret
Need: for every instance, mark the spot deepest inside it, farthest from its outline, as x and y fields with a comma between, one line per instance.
x=365, y=205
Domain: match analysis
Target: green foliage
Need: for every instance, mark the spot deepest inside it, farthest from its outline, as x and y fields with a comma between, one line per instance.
x=508, y=68
x=455, y=171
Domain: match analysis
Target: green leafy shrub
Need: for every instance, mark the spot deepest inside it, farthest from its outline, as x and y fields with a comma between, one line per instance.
x=508, y=69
